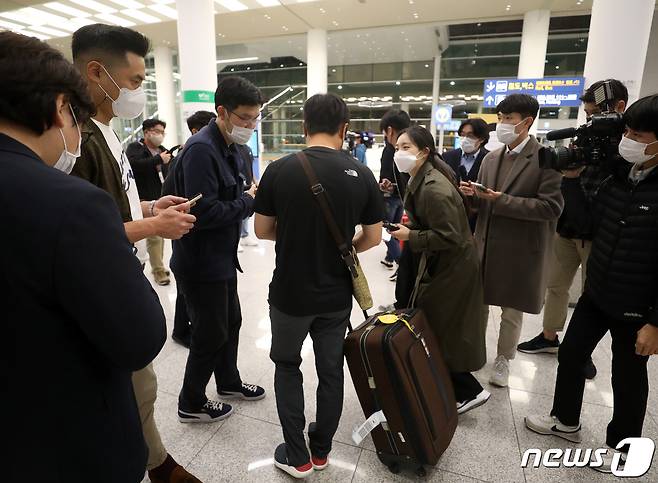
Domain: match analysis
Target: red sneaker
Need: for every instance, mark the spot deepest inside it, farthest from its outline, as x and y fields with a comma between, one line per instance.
x=319, y=463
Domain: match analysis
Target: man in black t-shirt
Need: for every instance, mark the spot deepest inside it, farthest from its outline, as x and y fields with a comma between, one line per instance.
x=311, y=291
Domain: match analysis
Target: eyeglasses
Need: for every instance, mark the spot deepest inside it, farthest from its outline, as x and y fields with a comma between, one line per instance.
x=246, y=119
x=156, y=131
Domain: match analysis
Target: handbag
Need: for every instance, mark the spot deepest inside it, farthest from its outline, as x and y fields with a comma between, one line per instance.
x=360, y=288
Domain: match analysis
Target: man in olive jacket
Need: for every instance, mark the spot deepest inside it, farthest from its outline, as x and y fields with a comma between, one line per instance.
x=517, y=216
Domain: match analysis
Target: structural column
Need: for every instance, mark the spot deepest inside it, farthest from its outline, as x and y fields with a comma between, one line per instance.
x=316, y=61
x=618, y=41
x=534, y=42
x=436, y=84
x=197, y=52
x=164, y=84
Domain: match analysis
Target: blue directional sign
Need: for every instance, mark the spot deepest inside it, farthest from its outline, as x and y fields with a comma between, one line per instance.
x=549, y=92
x=443, y=115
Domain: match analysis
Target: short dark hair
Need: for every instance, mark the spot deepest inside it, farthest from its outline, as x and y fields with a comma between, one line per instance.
x=237, y=91
x=151, y=123
x=619, y=91
x=524, y=104
x=109, y=42
x=396, y=119
x=32, y=75
x=199, y=120
x=642, y=115
x=480, y=128
x=325, y=113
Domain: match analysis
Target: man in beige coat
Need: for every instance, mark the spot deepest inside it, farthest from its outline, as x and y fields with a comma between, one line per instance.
x=518, y=204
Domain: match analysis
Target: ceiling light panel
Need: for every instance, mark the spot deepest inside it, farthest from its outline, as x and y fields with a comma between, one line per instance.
x=269, y=3
x=95, y=6
x=65, y=9
x=32, y=16
x=49, y=31
x=116, y=20
x=164, y=10
x=141, y=16
x=128, y=3
x=232, y=5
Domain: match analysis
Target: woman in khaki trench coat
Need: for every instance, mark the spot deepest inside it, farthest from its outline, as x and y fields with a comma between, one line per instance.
x=449, y=286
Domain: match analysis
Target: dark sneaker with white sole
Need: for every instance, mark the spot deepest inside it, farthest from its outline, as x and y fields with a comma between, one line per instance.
x=210, y=412
x=281, y=462
x=477, y=401
x=550, y=425
x=246, y=392
x=539, y=344
x=387, y=264
x=319, y=463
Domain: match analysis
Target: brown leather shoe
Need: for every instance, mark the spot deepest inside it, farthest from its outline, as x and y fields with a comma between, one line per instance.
x=179, y=475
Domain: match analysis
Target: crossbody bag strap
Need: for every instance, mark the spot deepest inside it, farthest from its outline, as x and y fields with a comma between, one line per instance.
x=320, y=195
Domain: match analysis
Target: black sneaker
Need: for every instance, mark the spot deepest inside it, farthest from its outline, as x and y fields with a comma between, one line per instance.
x=210, y=412
x=590, y=369
x=248, y=392
x=539, y=344
x=387, y=264
x=281, y=462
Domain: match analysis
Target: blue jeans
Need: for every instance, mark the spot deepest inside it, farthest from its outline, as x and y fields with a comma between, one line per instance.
x=244, y=228
x=394, y=212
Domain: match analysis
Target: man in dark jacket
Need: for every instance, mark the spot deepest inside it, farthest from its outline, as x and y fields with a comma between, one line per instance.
x=467, y=159
x=80, y=321
x=149, y=160
x=621, y=289
x=391, y=182
x=572, y=243
x=205, y=261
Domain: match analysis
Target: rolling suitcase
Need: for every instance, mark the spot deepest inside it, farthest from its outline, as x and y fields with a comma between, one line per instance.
x=404, y=389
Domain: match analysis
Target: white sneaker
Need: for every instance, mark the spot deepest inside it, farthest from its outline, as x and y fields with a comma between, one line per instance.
x=607, y=458
x=240, y=248
x=477, y=401
x=248, y=241
x=500, y=376
x=550, y=425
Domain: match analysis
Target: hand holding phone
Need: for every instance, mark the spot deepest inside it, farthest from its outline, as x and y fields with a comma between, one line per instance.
x=391, y=226
x=193, y=201
x=479, y=187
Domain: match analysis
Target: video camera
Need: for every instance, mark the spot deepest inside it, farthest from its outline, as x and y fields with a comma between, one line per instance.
x=593, y=143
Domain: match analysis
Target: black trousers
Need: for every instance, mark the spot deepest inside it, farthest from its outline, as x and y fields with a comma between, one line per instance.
x=214, y=309
x=466, y=386
x=630, y=386
x=288, y=335
x=181, y=318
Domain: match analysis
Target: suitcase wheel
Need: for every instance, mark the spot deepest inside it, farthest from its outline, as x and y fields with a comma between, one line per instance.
x=420, y=471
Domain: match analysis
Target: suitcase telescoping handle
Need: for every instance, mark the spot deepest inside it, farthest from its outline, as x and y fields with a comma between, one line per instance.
x=349, y=324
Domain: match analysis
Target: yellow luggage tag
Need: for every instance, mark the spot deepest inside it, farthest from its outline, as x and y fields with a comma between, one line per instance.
x=388, y=319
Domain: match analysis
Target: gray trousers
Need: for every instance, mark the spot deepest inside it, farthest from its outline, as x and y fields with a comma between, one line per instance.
x=288, y=334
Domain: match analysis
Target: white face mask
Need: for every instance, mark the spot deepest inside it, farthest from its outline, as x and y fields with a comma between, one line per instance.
x=633, y=151
x=129, y=104
x=156, y=139
x=467, y=144
x=507, y=132
x=67, y=160
x=405, y=161
x=240, y=135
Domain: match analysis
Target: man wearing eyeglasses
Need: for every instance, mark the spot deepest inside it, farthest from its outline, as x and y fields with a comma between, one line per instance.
x=205, y=261
x=149, y=160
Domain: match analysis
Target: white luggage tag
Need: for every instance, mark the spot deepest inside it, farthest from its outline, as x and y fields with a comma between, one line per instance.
x=364, y=430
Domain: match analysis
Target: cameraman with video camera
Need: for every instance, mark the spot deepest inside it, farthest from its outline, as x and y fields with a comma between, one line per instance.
x=573, y=239
x=621, y=291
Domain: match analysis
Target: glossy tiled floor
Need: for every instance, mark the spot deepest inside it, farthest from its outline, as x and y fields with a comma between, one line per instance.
x=488, y=443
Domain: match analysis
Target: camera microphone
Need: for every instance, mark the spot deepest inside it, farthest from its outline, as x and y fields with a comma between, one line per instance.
x=561, y=134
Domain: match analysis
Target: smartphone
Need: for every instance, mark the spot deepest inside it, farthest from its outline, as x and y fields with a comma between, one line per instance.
x=479, y=187
x=390, y=226
x=193, y=201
